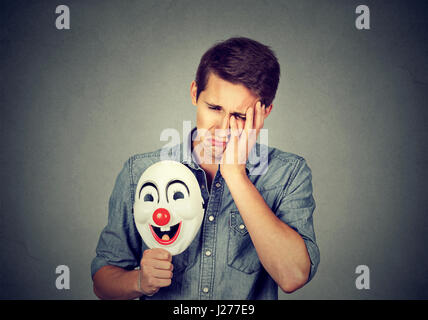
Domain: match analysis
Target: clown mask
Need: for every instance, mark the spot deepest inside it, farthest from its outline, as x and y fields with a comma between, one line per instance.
x=168, y=208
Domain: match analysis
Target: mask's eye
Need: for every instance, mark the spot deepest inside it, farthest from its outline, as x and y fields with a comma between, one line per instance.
x=149, y=193
x=178, y=195
x=148, y=197
x=177, y=190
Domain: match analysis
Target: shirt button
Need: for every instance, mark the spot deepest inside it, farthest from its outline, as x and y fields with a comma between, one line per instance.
x=218, y=184
x=208, y=253
x=205, y=290
x=241, y=226
x=211, y=218
x=202, y=187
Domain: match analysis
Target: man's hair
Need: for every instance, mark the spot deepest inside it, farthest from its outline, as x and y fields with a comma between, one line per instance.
x=241, y=61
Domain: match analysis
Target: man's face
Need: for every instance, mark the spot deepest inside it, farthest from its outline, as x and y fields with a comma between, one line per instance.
x=216, y=104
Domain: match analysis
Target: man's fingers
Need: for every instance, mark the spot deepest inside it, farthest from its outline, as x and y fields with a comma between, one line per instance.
x=156, y=270
x=159, y=264
x=259, y=117
x=233, y=125
x=162, y=254
x=162, y=274
x=249, y=118
x=157, y=258
x=240, y=126
x=153, y=284
x=163, y=282
x=158, y=253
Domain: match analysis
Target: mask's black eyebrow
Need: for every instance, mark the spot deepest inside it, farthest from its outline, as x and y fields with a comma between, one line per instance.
x=176, y=181
x=148, y=184
x=243, y=115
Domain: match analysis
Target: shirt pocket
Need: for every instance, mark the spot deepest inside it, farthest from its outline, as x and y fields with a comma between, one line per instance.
x=241, y=253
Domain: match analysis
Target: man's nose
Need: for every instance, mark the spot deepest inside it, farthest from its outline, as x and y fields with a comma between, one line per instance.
x=225, y=123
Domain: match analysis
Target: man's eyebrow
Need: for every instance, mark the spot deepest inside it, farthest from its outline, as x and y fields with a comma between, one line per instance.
x=233, y=113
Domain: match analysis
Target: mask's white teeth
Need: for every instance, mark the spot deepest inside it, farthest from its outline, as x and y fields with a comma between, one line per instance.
x=165, y=228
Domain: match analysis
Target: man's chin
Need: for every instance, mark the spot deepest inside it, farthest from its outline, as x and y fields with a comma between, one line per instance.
x=211, y=155
x=214, y=156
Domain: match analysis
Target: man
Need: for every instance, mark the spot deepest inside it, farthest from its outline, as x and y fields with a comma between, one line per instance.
x=257, y=232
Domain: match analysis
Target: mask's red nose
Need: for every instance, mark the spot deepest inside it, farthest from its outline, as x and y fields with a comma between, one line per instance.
x=161, y=216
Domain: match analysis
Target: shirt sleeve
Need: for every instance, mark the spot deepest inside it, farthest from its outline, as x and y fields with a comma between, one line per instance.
x=296, y=210
x=119, y=243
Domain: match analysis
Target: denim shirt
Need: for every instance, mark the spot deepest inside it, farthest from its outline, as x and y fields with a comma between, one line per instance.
x=221, y=262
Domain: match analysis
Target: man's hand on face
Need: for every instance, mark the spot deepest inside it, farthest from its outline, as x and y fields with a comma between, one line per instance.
x=242, y=139
x=156, y=270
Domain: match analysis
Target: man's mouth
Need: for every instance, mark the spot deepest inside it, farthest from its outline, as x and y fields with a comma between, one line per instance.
x=165, y=235
x=215, y=142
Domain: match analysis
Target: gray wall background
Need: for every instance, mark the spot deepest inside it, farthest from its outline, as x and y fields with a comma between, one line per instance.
x=75, y=104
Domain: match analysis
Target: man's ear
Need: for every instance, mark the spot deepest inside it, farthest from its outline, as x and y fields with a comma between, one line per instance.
x=193, y=92
x=268, y=110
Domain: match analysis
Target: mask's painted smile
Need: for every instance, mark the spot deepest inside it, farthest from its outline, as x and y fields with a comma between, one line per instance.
x=166, y=237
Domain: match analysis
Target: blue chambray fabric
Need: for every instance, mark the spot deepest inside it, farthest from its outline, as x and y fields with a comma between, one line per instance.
x=232, y=269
